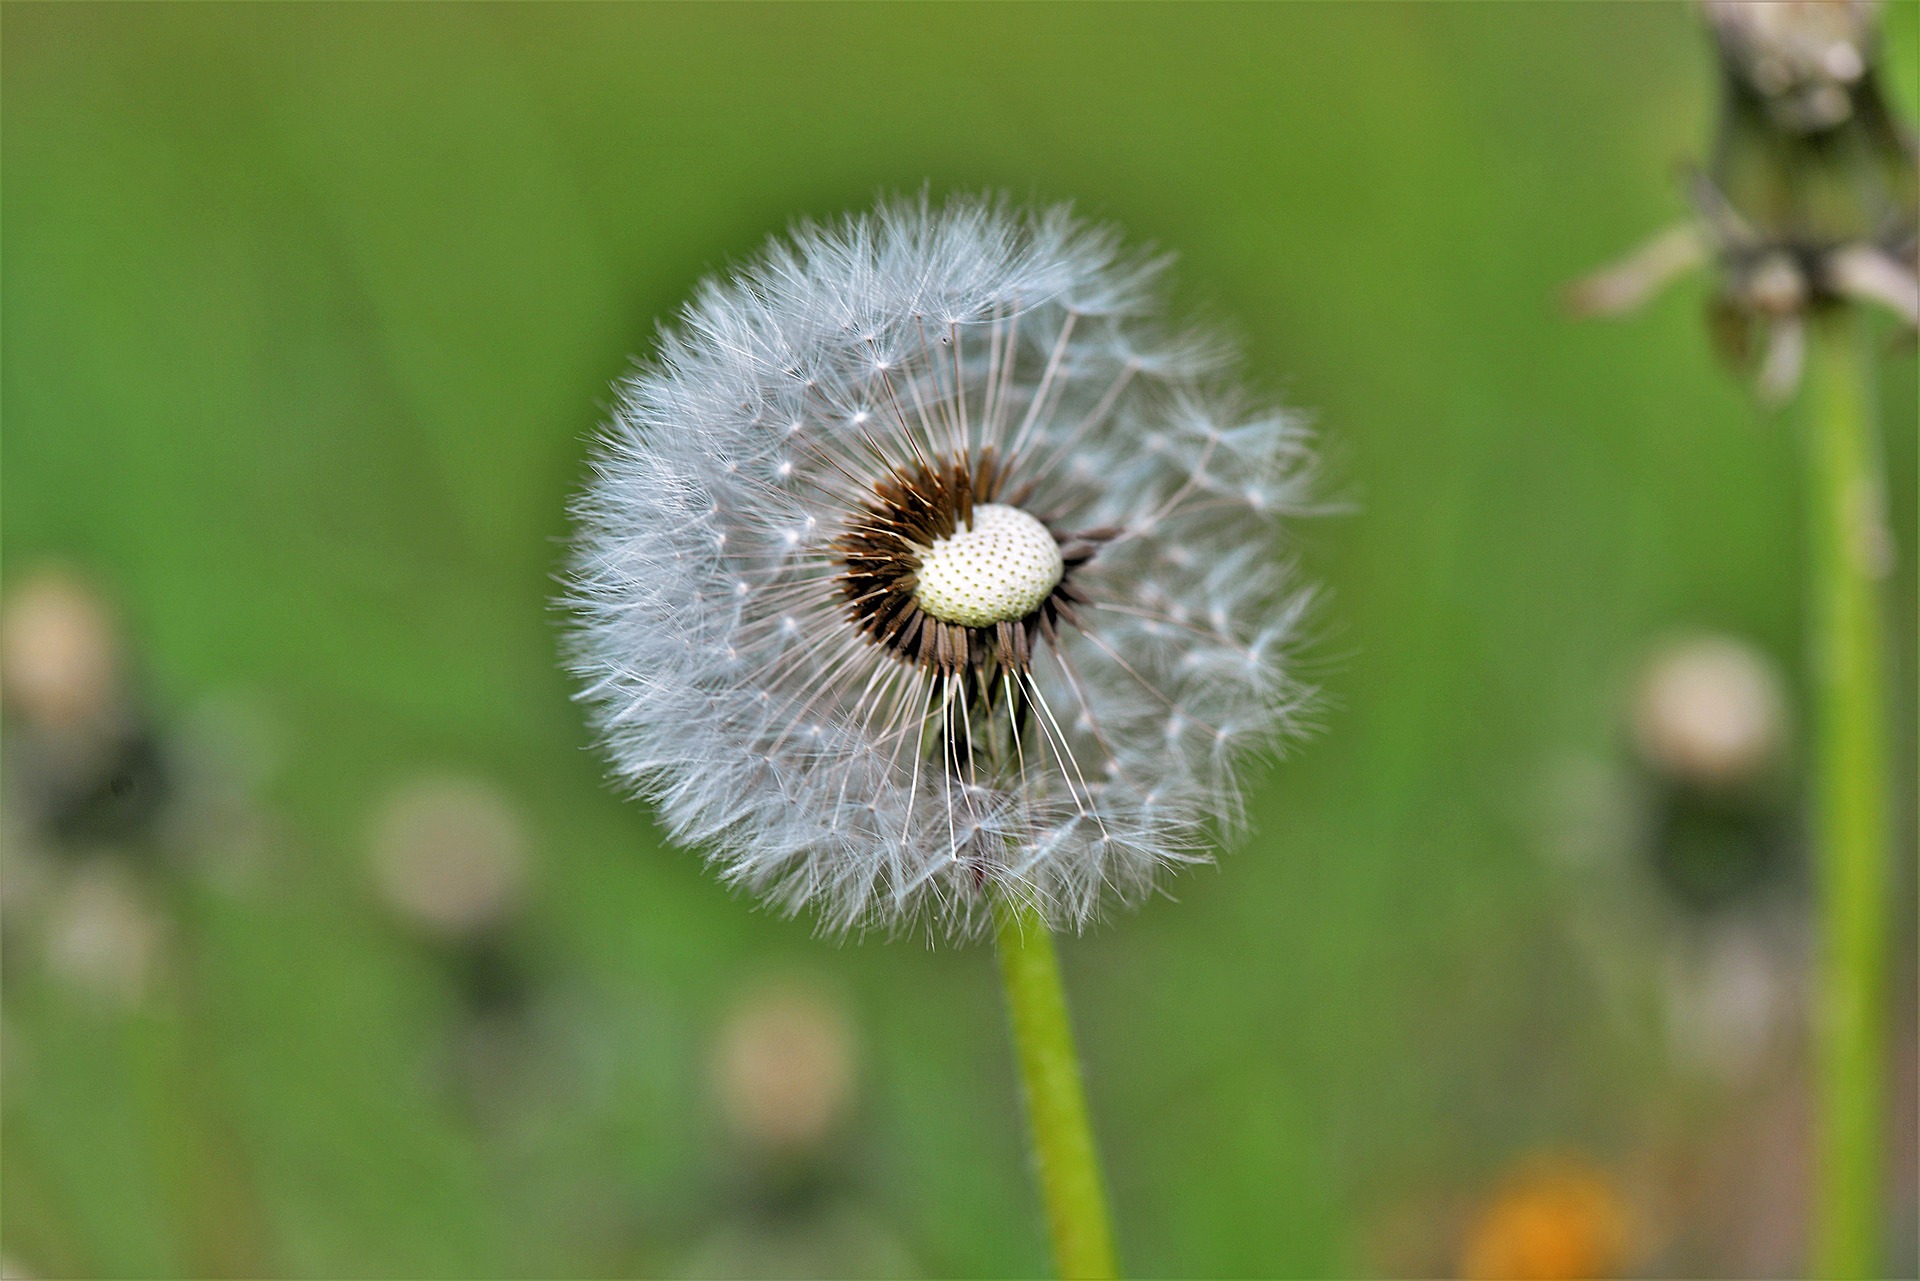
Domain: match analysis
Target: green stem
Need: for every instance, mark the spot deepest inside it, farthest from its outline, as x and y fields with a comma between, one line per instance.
x=1063, y=1153
x=1850, y=810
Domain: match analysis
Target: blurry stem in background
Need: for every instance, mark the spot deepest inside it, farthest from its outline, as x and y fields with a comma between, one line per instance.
x=1064, y=1159
x=1848, y=549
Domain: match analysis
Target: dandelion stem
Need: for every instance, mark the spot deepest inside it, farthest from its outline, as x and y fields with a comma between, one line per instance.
x=1850, y=826
x=1064, y=1159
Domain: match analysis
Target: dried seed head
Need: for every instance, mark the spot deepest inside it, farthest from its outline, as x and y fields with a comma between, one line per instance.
x=921, y=568
x=1811, y=198
x=1802, y=57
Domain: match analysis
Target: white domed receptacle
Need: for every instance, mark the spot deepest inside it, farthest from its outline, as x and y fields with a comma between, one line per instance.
x=998, y=569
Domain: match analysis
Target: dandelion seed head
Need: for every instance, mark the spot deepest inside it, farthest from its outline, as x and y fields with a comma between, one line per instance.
x=922, y=566
x=1710, y=712
x=1803, y=57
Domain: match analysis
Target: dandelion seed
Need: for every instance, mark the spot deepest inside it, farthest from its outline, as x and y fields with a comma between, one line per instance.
x=889, y=575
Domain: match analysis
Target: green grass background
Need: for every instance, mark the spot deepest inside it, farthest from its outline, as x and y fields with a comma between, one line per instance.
x=308, y=314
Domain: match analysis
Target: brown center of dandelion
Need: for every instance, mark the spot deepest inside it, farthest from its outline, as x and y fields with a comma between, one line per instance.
x=948, y=573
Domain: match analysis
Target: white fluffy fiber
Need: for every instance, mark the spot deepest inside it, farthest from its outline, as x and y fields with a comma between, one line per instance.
x=717, y=651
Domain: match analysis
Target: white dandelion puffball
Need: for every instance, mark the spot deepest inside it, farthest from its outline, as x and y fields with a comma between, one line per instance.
x=921, y=568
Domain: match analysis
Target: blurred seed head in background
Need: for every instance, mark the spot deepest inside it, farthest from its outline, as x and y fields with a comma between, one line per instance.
x=85, y=787
x=1709, y=711
x=1682, y=856
x=1708, y=720
x=83, y=765
x=60, y=655
x=1811, y=198
x=785, y=1066
x=449, y=855
x=1804, y=58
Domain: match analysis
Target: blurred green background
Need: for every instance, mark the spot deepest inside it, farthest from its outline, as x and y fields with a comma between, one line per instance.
x=347, y=962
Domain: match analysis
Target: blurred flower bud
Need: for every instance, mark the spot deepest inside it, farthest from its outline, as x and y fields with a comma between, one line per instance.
x=1803, y=58
x=784, y=1066
x=59, y=656
x=1709, y=713
x=1553, y=1218
x=449, y=855
x=1811, y=198
x=102, y=936
x=1807, y=155
x=83, y=768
